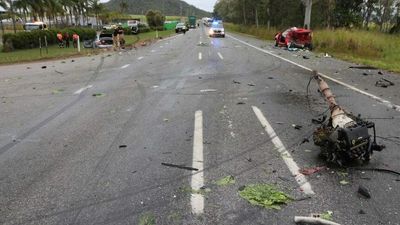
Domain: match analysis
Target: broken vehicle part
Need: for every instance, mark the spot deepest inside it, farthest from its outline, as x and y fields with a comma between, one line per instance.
x=179, y=166
x=344, y=137
x=384, y=83
x=313, y=220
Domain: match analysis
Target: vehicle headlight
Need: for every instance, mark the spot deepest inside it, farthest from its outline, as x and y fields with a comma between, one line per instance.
x=211, y=31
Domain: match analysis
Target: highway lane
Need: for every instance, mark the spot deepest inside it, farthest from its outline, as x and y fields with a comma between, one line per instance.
x=69, y=157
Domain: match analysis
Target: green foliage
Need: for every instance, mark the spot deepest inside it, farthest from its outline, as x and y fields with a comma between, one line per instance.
x=26, y=40
x=226, y=181
x=155, y=19
x=147, y=219
x=265, y=195
x=327, y=215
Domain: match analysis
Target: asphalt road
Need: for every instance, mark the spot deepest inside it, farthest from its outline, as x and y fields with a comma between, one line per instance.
x=83, y=140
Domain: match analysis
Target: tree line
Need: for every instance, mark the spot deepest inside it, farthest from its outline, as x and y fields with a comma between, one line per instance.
x=58, y=12
x=383, y=14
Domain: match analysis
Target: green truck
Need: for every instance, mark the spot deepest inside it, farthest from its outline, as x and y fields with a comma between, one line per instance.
x=192, y=22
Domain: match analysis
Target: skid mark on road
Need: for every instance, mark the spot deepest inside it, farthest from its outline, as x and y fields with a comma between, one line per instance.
x=197, y=199
x=287, y=158
x=381, y=100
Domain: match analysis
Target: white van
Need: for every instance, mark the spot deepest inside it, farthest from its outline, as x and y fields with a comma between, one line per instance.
x=35, y=26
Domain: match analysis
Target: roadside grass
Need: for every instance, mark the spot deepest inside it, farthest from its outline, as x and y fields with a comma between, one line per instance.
x=359, y=46
x=28, y=55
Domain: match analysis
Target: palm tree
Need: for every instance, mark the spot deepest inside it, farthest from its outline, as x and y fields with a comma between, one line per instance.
x=97, y=8
x=3, y=4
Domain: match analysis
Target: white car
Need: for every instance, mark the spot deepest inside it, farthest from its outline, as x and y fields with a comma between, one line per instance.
x=217, y=30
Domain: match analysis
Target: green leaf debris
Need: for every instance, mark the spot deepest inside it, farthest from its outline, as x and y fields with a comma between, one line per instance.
x=265, y=195
x=226, y=181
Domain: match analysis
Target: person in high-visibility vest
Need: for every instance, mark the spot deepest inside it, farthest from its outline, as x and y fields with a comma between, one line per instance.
x=60, y=40
x=75, y=38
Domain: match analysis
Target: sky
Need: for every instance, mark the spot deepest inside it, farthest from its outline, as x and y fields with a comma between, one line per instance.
x=207, y=5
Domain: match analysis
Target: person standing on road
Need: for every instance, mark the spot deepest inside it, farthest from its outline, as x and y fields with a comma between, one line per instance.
x=66, y=39
x=60, y=40
x=116, y=38
x=75, y=38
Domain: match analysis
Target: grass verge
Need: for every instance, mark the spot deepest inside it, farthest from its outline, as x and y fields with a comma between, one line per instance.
x=54, y=52
x=359, y=46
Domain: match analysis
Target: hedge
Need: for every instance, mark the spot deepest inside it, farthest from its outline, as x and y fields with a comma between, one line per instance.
x=25, y=40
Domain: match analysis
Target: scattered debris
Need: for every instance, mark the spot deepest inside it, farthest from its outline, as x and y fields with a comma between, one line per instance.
x=240, y=103
x=305, y=140
x=200, y=78
x=297, y=127
x=208, y=90
x=305, y=57
x=319, y=121
x=57, y=91
x=363, y=67
x=62, y=61
x=147, y=219
x=98, y=95
x=251, y=84
x=312, y=170
x=362, y=212
x=202, y=44
x=384, y=83
x=344, y=182
x=28, y=68
x=264, y=195
x=72, y=60
x=307, y=150
x=165, y=120
x=380, y=73
x=59, y=72
x=365, y=74
x=363, y=191
x=280, y=123
x=226, y=181
x=376, y=169
x=313, y=220
x=123, y=146
x=164, y=153
x=135, y=171
x=236, y=82
x=270, y=78
x=326, y=55
x=44, y=67
x=179, y=166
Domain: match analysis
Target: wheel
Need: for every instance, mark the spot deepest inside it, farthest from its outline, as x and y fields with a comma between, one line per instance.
x=276, y=44
x=223, y=36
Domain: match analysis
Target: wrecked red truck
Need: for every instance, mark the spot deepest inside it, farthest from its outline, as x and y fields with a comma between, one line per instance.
x=294, y=38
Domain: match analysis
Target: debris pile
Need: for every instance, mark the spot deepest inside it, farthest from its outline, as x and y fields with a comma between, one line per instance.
x=265, y=195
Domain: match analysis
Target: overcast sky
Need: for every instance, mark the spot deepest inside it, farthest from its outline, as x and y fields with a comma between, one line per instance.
x=207, y=5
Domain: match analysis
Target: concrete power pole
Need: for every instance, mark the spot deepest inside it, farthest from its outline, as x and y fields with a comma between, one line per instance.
x=307, y=17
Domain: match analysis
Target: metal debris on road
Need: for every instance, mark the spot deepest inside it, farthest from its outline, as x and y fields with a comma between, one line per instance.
x=251, y=84
x=179, y=166
x=364, y=191
x=59, y=72
x=240, y=103
x=384, y=83
x=236, y=82
x=305, y=57
x=305, y=140
x=226, y=181
x=297, y=127
x=362, y=212
x=270, y=78
x=312, y=170
x=264, y=195
x=123, y=146
x=313, y=220
x=44, y=67
x=165, y=120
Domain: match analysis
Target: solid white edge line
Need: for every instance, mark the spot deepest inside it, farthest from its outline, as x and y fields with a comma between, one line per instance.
x=383, y=101
x=220, y=55
x=197, y=199
x=287, y=158
x=82, y=89
x=125, y=66
x=200, y=56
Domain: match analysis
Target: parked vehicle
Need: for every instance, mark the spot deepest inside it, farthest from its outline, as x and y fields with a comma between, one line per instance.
x=35, y=26
x=103, y=40
x=294, y=38
x=181, y=27
x=217, y=29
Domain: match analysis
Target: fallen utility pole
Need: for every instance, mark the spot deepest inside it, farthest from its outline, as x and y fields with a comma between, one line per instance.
x=344, y=137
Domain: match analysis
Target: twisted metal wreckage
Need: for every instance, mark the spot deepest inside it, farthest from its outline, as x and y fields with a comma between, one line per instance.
x=344, y=137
